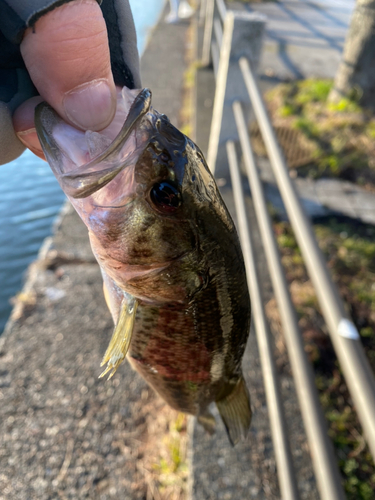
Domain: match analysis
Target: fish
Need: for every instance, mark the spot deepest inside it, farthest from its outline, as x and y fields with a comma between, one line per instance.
x=173, y=271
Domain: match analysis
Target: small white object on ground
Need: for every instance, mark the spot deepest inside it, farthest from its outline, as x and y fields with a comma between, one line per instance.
x=179, y=10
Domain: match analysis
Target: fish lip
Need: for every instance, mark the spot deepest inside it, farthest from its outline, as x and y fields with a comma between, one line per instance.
x=143, y=96
x=81, y=182
x=105, y=207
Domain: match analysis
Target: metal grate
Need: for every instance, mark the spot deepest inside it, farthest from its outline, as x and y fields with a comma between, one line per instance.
x=297, y=151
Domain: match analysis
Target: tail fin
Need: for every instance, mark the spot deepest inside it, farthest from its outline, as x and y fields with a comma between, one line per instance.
x=235, y=412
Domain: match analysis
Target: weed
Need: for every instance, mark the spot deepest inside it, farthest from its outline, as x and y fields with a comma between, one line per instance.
x=313, y=90
x=166, y=464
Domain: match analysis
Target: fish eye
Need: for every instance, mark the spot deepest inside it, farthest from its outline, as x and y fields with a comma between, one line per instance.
x=166, y=196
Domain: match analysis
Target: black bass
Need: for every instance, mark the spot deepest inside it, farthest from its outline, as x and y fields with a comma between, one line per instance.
x=173, y=272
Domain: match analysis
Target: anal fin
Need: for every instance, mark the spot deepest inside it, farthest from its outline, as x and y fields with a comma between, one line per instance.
x=235, y=411
x=121, y=338
x=207, y=421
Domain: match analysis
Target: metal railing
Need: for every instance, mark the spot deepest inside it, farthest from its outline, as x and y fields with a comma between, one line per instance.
x=345, y=338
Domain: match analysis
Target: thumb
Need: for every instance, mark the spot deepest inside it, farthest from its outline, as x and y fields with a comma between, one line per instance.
x=67, y=57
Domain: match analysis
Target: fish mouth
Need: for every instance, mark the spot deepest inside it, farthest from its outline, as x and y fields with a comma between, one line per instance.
x=85, y=180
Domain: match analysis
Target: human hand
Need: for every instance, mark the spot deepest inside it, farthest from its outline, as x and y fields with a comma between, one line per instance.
x=66, y=54
x=67, y=57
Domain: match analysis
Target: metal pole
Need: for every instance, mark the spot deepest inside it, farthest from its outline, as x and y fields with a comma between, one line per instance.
x=218, y=30
x=221, y=8
x=206, y=50
x=222, y=76
x=202, y=12
x=344, y=335
x=324, y=462
x=283, y=454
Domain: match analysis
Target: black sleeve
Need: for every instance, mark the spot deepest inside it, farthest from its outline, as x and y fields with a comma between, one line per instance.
x=18, y=15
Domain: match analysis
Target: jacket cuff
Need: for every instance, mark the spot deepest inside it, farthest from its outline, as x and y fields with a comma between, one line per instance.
x=18, y=15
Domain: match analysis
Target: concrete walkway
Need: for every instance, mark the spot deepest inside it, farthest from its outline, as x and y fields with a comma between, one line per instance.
x=305, y=38
x=323, y=197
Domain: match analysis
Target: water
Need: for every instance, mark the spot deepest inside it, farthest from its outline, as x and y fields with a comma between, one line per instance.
x=145, y=18
x=30, y=197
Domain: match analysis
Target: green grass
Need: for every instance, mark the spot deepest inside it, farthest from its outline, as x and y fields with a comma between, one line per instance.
x=340, y=136
x=171, y=470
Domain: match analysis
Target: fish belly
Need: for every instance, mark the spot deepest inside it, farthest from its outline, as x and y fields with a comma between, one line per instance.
x=169, y=354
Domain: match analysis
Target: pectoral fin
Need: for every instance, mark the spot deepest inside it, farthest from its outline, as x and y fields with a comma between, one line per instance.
x=235, y=411
x=120, y=341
